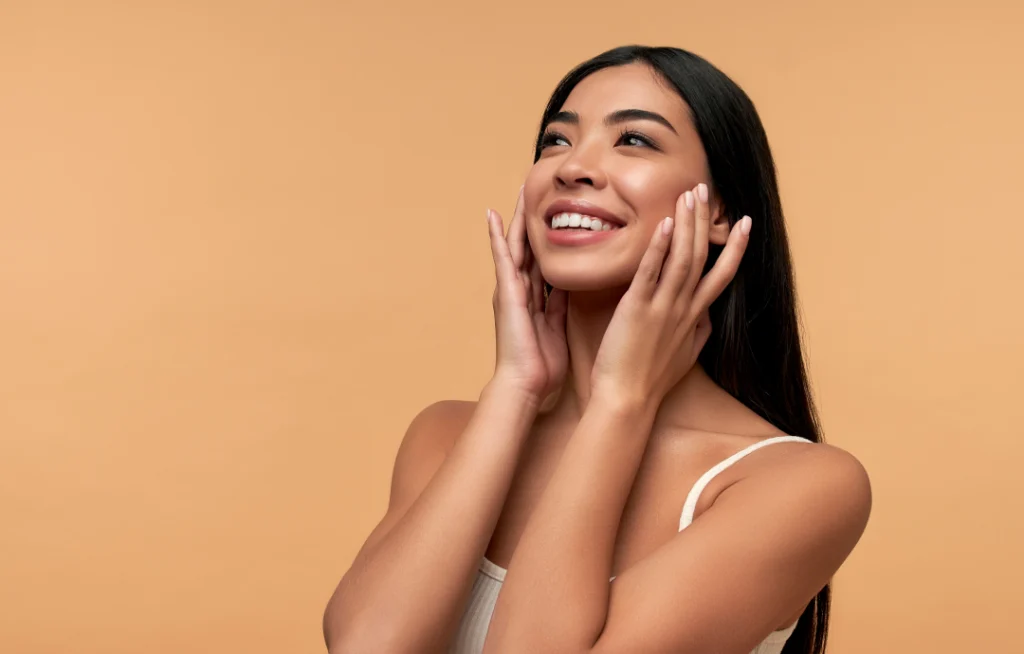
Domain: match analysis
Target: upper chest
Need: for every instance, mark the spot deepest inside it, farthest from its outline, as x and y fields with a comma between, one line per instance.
x=672, y=463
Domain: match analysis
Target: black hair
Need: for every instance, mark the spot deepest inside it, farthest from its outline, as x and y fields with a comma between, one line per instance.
x=754, y=351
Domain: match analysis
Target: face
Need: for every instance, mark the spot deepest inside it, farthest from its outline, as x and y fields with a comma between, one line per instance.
x=621, y=151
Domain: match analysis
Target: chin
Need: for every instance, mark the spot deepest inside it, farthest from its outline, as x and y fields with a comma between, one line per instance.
x=580, y=279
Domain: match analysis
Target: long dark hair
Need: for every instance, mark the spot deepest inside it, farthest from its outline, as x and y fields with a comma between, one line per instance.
x=754, y=351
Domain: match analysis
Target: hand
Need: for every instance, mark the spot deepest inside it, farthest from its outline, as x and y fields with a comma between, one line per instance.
x=531, y=351
x=661, y=323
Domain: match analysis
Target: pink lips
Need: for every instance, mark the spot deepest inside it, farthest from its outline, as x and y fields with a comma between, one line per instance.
x=571, y=236
x=580, y=236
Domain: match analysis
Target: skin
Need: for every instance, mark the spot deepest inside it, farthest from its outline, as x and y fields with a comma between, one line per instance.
x=573, y=469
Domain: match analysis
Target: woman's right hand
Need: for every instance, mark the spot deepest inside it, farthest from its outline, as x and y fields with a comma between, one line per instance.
x=532, y=355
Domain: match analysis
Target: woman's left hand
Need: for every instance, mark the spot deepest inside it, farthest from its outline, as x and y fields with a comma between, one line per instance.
x=661, y=323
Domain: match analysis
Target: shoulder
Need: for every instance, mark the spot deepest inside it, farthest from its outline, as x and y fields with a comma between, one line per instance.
x=435, y=422
x=811, y=480
x=434, y=430
x=820, y=467
x=772, y=539
x=428, y=440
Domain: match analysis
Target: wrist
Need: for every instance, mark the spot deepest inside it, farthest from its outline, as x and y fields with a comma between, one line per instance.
x=511, y=390
x=629, y=405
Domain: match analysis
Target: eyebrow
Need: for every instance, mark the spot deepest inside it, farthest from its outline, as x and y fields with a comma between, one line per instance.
x=615, y=118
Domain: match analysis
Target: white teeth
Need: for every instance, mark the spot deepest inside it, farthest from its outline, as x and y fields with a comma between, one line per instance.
x=577, y=220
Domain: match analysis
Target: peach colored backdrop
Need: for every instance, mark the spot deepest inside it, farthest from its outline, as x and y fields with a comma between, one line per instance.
x=242, y=244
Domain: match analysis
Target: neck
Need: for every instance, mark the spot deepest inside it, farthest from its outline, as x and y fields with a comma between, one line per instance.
x=586, y=322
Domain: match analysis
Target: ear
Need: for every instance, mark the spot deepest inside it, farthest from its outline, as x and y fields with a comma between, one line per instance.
x=720, y=228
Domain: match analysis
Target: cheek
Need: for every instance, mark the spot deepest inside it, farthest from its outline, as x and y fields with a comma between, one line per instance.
x=652, y=191
x=536, y=181
x=534, y=188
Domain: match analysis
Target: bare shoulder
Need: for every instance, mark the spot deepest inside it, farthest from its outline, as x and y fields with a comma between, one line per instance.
x=820, y=465
x=424, y=448
x=427, y=442
x=823, y=480
x=437, y=427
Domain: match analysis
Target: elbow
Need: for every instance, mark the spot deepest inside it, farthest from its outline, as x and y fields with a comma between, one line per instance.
x=358, y=634
x=363, y=641
x=340, y=636
x=340, y=640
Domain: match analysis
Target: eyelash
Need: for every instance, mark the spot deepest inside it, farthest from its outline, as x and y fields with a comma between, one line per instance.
x=628, y=133
x=550, y=139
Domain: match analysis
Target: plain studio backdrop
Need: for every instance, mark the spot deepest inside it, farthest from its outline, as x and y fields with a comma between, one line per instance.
x=243, y=243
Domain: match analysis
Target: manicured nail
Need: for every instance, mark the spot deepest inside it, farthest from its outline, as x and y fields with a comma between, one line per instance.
x=702, y=192
x=745, y=225
x=689, y=200
x=666, y=226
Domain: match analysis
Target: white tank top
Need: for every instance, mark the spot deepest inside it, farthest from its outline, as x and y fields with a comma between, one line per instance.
x=472, y=630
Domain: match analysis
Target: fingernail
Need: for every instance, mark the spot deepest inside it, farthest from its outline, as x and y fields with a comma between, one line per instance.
x=689, y=200
x=702, y=192
x=666, y=226
x=745, y=225
x=488, y=213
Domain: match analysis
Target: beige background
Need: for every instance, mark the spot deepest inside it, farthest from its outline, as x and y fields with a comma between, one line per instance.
x=242, y=244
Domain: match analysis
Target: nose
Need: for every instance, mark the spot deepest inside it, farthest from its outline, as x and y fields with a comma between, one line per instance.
x=581, y=167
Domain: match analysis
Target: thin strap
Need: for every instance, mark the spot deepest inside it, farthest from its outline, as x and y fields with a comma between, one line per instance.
x=691, y=500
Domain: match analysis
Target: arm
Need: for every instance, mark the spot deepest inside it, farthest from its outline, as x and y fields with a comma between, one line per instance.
x=407, y=586
x=760, y=553
x=767, y=545
x=556, y=594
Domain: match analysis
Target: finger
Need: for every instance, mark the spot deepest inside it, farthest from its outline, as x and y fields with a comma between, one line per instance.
x=504, y=268
x=712, y=285
x=517, y=232
x=702, y=226
x=680, y=257
x=646, y=279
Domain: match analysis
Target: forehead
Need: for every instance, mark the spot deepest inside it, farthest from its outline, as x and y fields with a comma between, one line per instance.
x=633, y=86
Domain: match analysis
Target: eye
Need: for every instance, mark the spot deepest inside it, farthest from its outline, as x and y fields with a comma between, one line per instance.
x=636, y=140
x=553, y=139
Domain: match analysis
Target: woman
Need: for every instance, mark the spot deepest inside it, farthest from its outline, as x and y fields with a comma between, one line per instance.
x=614, y=479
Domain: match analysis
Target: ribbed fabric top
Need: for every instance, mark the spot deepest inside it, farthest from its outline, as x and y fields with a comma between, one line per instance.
x=475, y=621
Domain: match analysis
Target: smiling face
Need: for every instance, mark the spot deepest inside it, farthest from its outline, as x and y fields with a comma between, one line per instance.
x=622, y=150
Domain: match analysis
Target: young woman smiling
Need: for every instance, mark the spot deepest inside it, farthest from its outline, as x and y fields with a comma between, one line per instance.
x=644, y=472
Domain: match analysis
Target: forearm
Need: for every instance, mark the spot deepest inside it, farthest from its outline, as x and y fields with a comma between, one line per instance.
x=555, y=597
x=405, y=594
